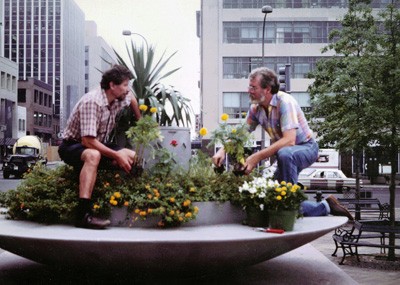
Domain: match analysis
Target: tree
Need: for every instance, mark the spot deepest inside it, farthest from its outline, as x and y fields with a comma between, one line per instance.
x=338, y=92
x=384, y=94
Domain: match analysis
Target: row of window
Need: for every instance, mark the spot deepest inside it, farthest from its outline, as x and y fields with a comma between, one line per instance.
x=254, y=4
x=240, y=67
x=8, y=81
x=236, y=104
x=278, y=32
x=41, y=119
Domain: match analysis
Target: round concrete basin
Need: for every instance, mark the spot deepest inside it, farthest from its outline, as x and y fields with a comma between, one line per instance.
x=183, y=250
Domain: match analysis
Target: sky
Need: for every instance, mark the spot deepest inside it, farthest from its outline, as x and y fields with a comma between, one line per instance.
x=169, y=25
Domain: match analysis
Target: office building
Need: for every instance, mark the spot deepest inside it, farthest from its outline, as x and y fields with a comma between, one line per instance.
x=46, y=40
x=232, y=35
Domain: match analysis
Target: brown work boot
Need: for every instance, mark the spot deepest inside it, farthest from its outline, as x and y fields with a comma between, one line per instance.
x=90, y=222
x=337, y=209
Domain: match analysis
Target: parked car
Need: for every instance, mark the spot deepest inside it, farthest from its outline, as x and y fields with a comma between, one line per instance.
x=326, y=179
x=18, y=164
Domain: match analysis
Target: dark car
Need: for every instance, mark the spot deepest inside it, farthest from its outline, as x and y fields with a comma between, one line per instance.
x=17, y=165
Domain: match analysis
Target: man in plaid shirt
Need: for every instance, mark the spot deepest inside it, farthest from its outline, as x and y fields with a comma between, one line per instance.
x=85, y=143
x=281, y=117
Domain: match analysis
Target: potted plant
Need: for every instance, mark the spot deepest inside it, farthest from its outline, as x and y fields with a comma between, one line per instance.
x=143, y=136
x=173, y=109
x=252, y=196
x=278, y=202
x=236, y=140
x=283, y=204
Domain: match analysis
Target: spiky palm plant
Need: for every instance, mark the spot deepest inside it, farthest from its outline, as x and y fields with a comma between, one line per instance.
x=148, y=73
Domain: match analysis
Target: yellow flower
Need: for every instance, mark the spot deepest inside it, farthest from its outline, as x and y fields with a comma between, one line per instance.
x=188, y=215
x=149, y=210
x=283, y=193
x=284, y=188
x=153, y=110
x=278, y=197
x=126, y=203
x=283, y=183
x=147, y=187
x=289, y=184
x=113, y=202
x=172, y=212
x=143, y=213
x=278, y=189
x=203, y=132
x=192, y=189
x=172, y=200
x=137, y=211
x=112, y=198
x=196, y=209
x=96, y=206
x=143, y=108
x=180, y=219
x=224, y=117
x=117, y=195
x=186, y=203
x=233, y=131
x=168, y=184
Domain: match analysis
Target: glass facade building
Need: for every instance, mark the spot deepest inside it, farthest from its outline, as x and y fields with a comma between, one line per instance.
x=46, y=40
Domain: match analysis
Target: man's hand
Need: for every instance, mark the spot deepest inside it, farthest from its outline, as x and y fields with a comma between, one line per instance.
x=251, y=163
x=219, y=157
x=124, y=158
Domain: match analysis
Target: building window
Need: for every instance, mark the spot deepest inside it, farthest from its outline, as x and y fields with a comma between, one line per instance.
x=240, y=67
x=21, y=95
x=236, y=104
x=278, y=32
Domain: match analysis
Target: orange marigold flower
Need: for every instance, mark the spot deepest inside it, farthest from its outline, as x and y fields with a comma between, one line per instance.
x=172, y=200
x=143, y=213
x=149, y=196
x=186, y=203
x=117, y=195
x=188, y=215
x=126, y=203
x=172, y=212
x=149, y=210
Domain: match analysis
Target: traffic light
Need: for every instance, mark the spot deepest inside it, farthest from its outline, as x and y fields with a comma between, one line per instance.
x=284, y=78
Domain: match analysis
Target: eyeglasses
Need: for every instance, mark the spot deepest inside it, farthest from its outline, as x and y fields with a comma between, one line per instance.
x=251, y=88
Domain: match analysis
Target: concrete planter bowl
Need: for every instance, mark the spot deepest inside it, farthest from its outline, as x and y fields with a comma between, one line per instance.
x=190, y=250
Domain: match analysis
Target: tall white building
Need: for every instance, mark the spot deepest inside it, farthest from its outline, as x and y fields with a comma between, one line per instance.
x=231, y=46
x=99, y=56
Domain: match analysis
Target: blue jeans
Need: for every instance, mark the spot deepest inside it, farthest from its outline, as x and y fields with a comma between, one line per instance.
x=314, y=209
x=292, y=160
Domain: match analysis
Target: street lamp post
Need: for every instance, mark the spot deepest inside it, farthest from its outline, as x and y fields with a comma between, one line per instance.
x=266, y=10
x=129, y=33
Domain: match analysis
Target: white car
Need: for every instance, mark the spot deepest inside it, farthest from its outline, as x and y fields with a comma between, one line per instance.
x=326, y=179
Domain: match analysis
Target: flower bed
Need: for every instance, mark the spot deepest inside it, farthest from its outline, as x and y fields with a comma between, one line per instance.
x=51, y=196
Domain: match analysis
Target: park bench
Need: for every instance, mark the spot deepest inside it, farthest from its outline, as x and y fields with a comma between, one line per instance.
x=350, y=239
x=370, y=207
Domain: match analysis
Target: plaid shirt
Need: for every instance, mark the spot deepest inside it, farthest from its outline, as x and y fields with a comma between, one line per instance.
x=93, y=116
x=289, y=116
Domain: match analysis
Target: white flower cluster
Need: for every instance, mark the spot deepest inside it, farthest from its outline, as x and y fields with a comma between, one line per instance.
x=258, y=187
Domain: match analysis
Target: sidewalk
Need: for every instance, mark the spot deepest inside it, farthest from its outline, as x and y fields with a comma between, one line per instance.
x=373, y=267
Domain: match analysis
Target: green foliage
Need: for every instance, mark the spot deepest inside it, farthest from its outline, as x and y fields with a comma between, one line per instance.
x=51, y=196
x=234, y=139
x=144, y=135
x=148, y=72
